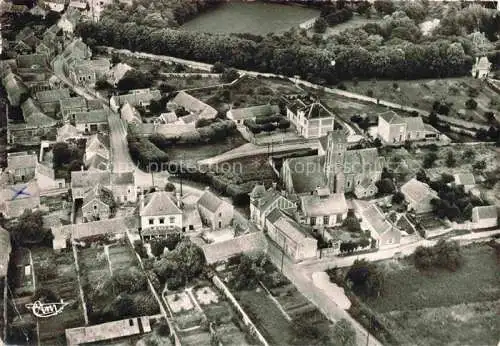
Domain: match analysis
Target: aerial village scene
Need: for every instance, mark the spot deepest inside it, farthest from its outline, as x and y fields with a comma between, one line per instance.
x=267, y=172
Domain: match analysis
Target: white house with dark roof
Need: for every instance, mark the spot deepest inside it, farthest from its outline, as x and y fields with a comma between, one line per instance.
x=311, y=118
x=5, y=249
x=97, y=145
x=214, y=211
x=293, y=239
x=160, y=213
x=88, y=72
x=485, y=216
x=481, y=67
x=122, y=185
x=418, y=196
x=263, y=201
x=322, y=211
x=394, y=129
x=97, y=204
x=239, y=115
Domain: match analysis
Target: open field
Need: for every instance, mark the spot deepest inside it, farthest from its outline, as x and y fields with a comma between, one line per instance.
x=62, y=283
x=433, y=307
x=422, y=94
x=250, y=17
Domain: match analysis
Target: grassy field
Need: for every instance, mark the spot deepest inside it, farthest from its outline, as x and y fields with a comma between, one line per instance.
x=422, y=94
x=436, y=307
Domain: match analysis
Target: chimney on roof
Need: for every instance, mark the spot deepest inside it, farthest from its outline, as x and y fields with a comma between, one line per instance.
x=207, y=188
x=81, y=168
x=274, y=186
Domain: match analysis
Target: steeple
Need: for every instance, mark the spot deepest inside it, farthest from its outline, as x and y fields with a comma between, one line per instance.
x=334, y=165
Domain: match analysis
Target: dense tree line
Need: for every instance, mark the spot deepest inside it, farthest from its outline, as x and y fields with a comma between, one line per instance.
x=444, y=254
x=286, y=54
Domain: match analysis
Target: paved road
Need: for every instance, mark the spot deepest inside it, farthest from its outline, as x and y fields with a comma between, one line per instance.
x=303, y=281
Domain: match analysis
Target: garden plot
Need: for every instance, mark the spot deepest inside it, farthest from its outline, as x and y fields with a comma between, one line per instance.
x=180, y=302
x=56, y=272
x=186, y=315
x=121, y=256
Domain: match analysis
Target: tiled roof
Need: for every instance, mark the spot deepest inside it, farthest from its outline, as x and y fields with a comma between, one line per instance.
x=97, y=162
x=168, y=118
x=14, y=87
x=135, y=97
x=483, y=63
x=317, y=110
x=97, y=192
x=374, y=216
x=118, y=71
x=31, y=61
x=97, y=142
x=417, y=191
x=313, y=205
x=52, y=95
x=485, y=212
x=73, y=102
x=258, y=191
x=130, y=114
x=248, y=243
x=33, y=115
x=256, y=111
x=414, y=124
x=160, y=203
x=391, y=117
x=89, y=179
x=290, y=228
x=90, y=229
x=193, y=105
x=464, y=179
x=45, y=170
x=21, y=160
x=93, y=116
x=67, y=131
x=210, y=201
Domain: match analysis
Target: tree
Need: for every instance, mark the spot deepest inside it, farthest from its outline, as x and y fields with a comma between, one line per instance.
x=343, y=334
x=169, y=187
x=61, y=154
x=445, y=254
x=218, y=67
x=135, y=79
x=229, y=75
x=140, y=249
x=451, y=161
x=429, y=159
x=479, y=165
x=490, y=116
x=469, y=155
x=385, y=186
x=384, y=6
x=319, y=26
x=398, y=198
x=284, y=124
x=365, y=278
x=422, y=176
x=29, y=230
x=268, y=127
x=102, y=84
x=471, y=104
x=157, y=247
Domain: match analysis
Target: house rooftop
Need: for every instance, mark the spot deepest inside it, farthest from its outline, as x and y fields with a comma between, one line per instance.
x=314, y=205
x=31, y=61
x=52, y=95
x=33, y=115
x=288, y=226
x=84, y=179
x=414, y=124
x=93, y=116
x=136, y=97
x=21, y=160
x=485, y=212
x=465, y=179
x=159, y=203
x=194, y=105
x=303, y=181
x=66, y=132
x=376, y=218
x=73, y=102
x=255, y=111
x=392, y=117
x=210, y=201
x=417, y=191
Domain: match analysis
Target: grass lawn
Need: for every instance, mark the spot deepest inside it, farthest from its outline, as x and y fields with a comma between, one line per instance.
x=193, y=153
x=422, y=94
x=435, y=307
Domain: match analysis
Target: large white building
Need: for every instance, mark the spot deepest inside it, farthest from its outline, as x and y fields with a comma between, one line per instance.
x=310, y=118
x=394, y=129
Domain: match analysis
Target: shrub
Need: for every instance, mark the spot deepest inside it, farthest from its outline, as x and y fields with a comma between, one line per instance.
x=471, y=104
x=444, y=254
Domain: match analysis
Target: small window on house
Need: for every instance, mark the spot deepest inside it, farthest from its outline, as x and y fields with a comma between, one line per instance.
x=162, y=220
x=326, y=220
x=95, y=207
x=151, y=221
x=191, y=227
x=220, y=214
x=131, y=322
x=313, y=221
x=172, y=219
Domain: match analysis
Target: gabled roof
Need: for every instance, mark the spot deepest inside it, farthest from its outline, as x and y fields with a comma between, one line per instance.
x=130, y=114
x=97, y=162
x=98, y=192
x=54, y=95
x=31, y=61
x=392, y=117
x=318, y=110
x=97, y=143
x=159, y=203
x=93, y=116
x=248, y=243
x=45, y=170
x=90, y=229
x=73, y=102
x=313, y=205
x=66, y=132
x=362, y=160
x=118, y=71
x=21, y=160
x=194, y=105
x=253, y=112
x=82, y=179
x=464, y=179
x=33, y=115
x=14, y=87
x=210, y=201
x=288, y=226
x=374, y=216
x=136, y=97
x=485, y=212
x=483, y=63
x=414, y=124
x=302, y=180
x=417, y=191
